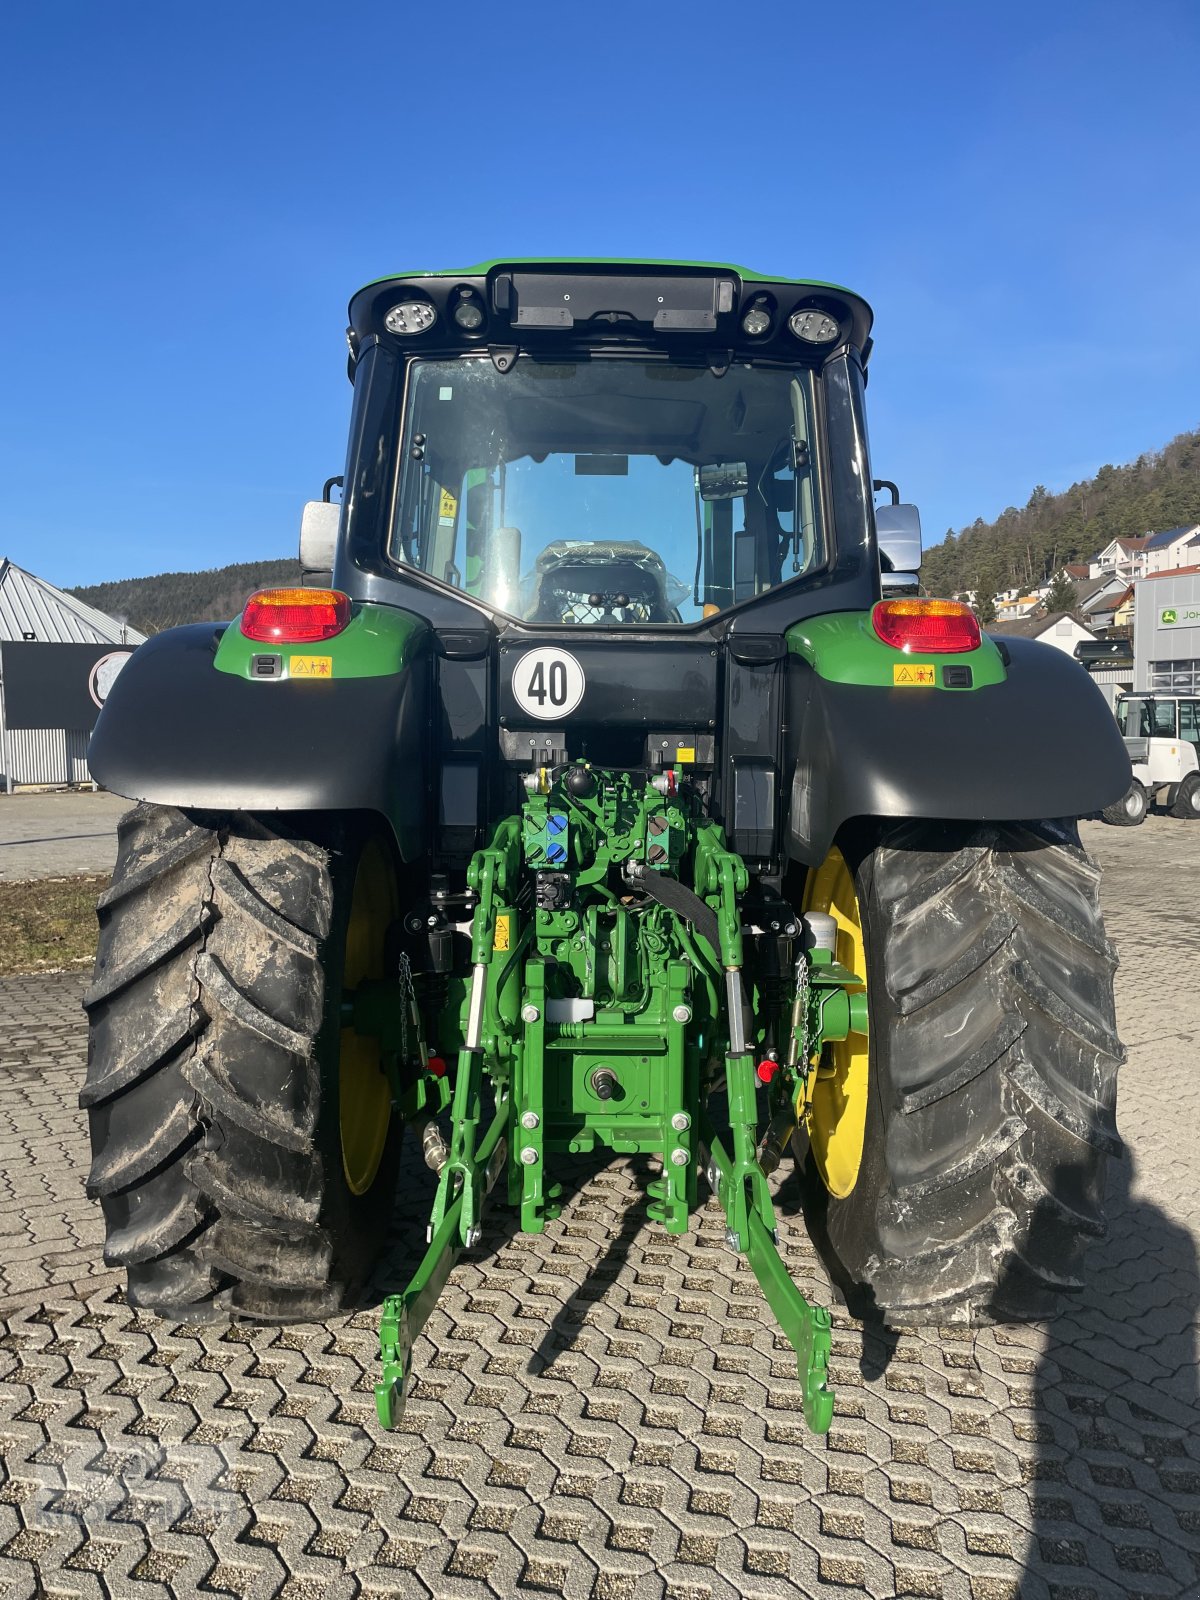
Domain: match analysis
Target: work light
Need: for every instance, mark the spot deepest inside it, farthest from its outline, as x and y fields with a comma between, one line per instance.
x=468, y=313
x=813, y=326
x=410, y=317
x=757, y=318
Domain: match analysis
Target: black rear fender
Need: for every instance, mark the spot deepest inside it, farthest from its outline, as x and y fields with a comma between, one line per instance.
x=1041, y=744
x=176, y=731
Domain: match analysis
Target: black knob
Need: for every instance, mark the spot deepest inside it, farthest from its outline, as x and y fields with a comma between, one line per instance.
x=581, y=783
x=605, y=1083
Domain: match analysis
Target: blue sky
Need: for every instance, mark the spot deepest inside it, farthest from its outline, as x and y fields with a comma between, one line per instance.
x=192, y=193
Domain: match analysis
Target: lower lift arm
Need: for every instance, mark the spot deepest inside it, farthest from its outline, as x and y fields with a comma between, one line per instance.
x=621, y=995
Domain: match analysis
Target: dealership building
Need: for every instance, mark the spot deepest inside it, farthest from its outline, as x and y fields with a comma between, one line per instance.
x=1166, y=632
x=58, y=660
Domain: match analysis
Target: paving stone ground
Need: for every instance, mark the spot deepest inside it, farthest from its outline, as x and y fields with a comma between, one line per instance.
x=57, y=833
x=604, y=1414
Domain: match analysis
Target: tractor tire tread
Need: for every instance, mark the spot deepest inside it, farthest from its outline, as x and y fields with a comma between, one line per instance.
x=1002, y=1040
x=203, y=1085
x=1184, y=805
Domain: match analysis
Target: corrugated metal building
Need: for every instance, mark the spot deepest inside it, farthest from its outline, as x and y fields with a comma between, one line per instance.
x=1166, y=632
x=57, y=660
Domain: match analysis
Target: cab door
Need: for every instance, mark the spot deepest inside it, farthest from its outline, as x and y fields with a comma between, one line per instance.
x=1189, y=735
x=1164, y=759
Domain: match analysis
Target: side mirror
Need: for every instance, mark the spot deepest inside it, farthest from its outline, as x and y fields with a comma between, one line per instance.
x=318, y=536
x=898, y=531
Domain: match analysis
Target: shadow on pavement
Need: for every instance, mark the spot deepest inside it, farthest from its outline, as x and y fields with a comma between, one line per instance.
x=1116, y=1501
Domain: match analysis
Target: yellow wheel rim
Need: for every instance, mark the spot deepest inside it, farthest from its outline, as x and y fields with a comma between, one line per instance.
x=364, y=1092
x=837, y=1109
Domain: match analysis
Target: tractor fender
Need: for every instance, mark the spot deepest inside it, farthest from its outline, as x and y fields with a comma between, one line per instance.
x=1042, y=743
x=178, y=732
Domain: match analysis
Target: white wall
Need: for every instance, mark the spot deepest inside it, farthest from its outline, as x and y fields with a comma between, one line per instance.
x=1064, y=634
x=1169, y=556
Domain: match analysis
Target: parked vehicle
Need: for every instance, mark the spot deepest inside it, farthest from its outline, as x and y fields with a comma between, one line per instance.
x=1162, y=737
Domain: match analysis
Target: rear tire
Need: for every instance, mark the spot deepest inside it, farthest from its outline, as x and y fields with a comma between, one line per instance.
x=992, y=1076
x=213, y=1071
x=1187, y=799
x=1130, y=810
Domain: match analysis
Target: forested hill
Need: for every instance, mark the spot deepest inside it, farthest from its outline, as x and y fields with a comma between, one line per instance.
x=151, y=604
x=1023, y=547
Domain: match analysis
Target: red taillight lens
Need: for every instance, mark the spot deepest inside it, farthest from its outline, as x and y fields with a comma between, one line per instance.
x=295, y=616
x=935, y=627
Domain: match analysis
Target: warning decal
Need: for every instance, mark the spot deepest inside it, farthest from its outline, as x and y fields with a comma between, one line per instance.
x=448, y=507
x=914, y=676
x=310, y=666
x=503, y=938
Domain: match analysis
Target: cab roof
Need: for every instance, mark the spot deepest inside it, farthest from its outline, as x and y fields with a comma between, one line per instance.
x=548, y=302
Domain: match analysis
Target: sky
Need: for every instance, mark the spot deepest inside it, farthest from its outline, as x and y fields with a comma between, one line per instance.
x=191, y=194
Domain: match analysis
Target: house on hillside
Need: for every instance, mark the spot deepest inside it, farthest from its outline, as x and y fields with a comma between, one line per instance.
x=58, y=660
x=1172, y=549
x=1122, y=610
x=1124, y=558
x=1091, y=592
x=1015, y=605
x=1060, y=629
x=1100, y=613
x=1072, y=571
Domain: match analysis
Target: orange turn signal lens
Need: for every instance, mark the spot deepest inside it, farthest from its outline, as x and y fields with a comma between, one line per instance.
x=295, y=616
x=933, y=627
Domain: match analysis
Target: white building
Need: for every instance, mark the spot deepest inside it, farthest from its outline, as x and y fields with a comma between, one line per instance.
x=1126, y=558
x=1171, y=549
x=1059, y=629
x=58, y=659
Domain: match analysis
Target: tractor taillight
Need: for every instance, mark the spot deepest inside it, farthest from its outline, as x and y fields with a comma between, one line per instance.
x=933, y=627
x=295, y=616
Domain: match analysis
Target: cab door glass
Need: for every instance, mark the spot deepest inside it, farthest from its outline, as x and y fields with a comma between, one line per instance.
x=1164, y=719
x=1189, y=722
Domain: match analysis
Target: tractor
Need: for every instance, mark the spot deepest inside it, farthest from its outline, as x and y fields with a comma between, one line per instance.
x=608, y=785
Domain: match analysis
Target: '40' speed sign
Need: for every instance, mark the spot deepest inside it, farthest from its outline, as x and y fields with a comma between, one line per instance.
x=548, y=683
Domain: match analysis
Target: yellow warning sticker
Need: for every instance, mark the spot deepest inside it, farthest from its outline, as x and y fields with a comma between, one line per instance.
x=686, y=752
x=448, y=509
x=310, y=666
x=914, y=676
x=503, y=939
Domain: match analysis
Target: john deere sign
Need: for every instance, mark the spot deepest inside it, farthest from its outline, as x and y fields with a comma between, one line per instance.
x=1188, y=616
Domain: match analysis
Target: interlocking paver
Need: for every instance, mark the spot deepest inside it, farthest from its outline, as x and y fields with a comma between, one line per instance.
x=604, y=1414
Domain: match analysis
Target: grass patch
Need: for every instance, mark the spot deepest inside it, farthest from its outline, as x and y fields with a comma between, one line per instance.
x=47, y=924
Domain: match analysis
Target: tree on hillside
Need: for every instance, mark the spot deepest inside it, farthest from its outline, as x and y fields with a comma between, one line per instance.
x=984, y=606
x=1061, y=594
x=1161, y=489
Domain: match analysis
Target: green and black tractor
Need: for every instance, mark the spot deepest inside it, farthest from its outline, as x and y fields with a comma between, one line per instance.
x=609, y=785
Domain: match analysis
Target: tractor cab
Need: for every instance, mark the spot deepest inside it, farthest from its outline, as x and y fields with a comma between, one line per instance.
x=574, y=445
